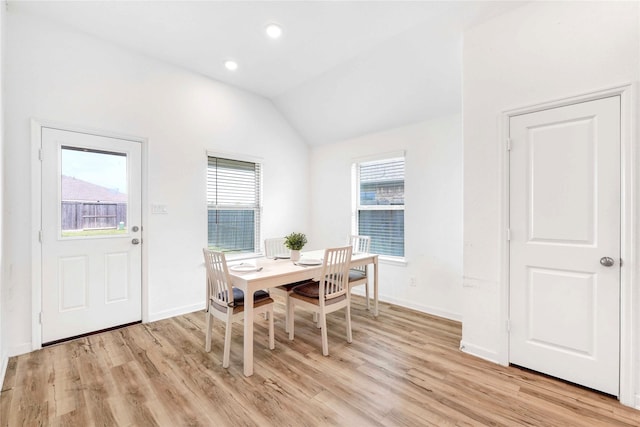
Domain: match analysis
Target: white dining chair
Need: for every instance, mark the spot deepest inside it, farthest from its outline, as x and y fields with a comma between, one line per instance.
x=274, y=247
x=226, y=303
x=329, y=294
x=358, y=275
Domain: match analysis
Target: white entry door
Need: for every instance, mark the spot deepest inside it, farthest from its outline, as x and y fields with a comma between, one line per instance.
x=565, y=242
x=91, y=233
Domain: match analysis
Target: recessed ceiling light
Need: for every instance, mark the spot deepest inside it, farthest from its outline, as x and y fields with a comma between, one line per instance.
x=274, y=31
x=231, y=65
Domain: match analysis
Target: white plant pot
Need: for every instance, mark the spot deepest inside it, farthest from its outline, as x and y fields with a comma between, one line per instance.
x=295, y=256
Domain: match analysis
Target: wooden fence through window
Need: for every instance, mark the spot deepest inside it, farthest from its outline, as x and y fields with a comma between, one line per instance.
x=92, y=215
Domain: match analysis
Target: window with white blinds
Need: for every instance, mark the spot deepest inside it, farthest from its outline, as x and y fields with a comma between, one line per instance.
x=380, y=204
x=233, y=205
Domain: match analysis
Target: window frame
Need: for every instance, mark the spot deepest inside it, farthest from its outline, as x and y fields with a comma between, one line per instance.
x=258, y=208
x=356, y=207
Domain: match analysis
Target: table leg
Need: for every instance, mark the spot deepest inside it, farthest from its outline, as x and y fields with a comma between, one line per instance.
x=248, y=333
x=375, y=287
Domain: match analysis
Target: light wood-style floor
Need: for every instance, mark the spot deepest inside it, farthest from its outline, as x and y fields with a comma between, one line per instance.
x=402, y=369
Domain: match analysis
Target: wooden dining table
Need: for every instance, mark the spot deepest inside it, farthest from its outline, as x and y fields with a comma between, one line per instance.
x=276, y=272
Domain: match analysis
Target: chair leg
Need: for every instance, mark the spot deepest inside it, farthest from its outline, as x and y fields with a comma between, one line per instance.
x=266, y=313
x=272, y=342
x=348, y=322
x=290, y=319
x=323, y=332
x=287, y=303
x=366, y=292
x=227, y=340
x=207, y=342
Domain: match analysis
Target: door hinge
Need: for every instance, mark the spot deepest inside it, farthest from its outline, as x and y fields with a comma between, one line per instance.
x=508, y=234
x=620, y=262
x=508, y=144
x=508, y=325
x=40, y=236
x=40, y=318
x=40, y=154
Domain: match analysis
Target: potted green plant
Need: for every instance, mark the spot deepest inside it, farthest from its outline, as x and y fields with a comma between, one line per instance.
x=295, y=242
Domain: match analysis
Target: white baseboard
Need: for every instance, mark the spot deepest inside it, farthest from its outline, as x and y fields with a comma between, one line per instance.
x=3, y=369
x=178, y=311
x=435, y=311
x=13, y=351
x=638, y=401
x=23, y=348
x=480, y=352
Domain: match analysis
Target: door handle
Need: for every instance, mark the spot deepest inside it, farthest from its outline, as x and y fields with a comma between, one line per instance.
x=606, y=261
x=137, y=242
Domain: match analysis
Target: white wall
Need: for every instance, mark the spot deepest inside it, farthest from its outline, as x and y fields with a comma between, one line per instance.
x=57, y=75
x=433, y=212
x=3, y=348
x=540, y=52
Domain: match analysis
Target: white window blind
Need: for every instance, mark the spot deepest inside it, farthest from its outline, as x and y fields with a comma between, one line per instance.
x=233, y=204
x=380, y=205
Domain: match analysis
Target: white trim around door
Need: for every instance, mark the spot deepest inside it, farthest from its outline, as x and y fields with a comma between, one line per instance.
x=36, y=219
x=629, y=304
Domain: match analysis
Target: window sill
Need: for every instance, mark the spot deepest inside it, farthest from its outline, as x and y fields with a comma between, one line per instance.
x=242, y=257
x=400, y=262
x=383, y=259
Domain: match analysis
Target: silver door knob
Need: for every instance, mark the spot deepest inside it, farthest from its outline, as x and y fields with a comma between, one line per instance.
x=137, y=242
x=606, y=261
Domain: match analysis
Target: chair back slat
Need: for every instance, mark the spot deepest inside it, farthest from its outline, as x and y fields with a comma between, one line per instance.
x=274, y=247
x=219, y=286
x=335, y=272
x=360, y=244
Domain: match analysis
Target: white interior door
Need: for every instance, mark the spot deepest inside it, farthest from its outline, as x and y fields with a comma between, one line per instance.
x=565, y=242
x=91, y=233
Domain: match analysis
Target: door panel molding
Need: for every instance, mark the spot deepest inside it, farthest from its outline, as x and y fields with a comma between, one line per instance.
x=36, y=216
x=629, y=371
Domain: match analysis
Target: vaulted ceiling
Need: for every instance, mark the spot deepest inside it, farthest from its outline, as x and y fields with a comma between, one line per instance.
x=341, y=68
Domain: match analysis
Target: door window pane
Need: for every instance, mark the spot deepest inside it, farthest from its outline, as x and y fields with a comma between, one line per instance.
x=93, y=193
